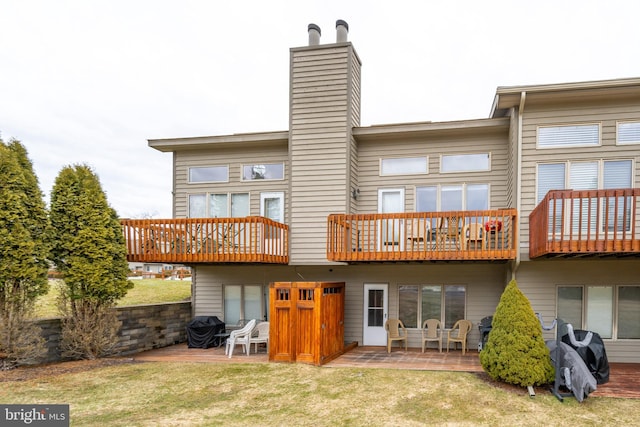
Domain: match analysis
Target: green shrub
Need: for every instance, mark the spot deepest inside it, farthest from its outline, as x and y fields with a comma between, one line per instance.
x=515, y=352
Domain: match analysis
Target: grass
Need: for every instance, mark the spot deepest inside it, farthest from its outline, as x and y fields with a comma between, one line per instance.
x=202, y=394
x=145, y=291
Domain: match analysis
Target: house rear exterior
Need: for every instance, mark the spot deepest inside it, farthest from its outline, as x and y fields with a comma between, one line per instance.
x=420, y=220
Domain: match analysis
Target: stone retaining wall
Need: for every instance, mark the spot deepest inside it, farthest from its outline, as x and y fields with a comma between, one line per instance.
x=143, y=327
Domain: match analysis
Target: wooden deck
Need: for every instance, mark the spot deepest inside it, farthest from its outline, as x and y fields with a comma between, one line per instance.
x=624, y=378
x=251, y=239
x=423, y=236
x=596, y=223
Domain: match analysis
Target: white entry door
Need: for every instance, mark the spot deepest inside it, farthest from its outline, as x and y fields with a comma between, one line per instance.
x=272, y=207
x=375, y=314
x=391, y=231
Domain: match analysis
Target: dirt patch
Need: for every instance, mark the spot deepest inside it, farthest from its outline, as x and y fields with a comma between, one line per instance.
x=515, y=389
x=26, y=373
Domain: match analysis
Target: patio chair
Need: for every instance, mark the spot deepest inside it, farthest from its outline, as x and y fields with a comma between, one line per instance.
x=432, y=331
x=240, y=336
x=458, y=334
x=449, y=229
x=472, y=236
x=261, y=336
x=395, y=332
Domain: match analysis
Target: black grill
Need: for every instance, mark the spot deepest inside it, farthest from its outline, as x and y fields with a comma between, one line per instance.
x=201, y=331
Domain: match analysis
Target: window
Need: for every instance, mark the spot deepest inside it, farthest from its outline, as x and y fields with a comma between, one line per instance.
x=611, y=311
x=452, y=197
x=243, y=302
x=418, y=303
x=404, y=166
x=209, y=174
x=628, y=133
x=605, y=174
x=263, y=171
x=465, y=163
x=570, y=135
x=216, y=205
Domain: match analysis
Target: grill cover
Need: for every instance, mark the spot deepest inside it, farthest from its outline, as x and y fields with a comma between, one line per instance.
x=201, y=331
x=594, y=355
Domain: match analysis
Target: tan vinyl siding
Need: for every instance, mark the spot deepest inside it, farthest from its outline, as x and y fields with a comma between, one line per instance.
x=234, y=158
x=321, y=114
x=484, y=284
x=370, y=153
x=605, y=115
x=538, y=280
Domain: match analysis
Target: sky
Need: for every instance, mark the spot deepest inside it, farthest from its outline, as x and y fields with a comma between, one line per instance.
x=91, y=81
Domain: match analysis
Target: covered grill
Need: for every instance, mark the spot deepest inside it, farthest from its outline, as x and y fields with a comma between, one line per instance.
x=485, y=326
x=202, y=330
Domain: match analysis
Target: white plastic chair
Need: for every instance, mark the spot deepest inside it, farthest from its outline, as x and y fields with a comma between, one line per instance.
x=240, y=336
x=262, y=329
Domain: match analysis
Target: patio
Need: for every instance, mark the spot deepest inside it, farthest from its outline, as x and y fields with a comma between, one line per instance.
x=624, y=379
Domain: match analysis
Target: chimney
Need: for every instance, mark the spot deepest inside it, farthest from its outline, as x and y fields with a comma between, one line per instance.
x=342, y=29
x=314, y=35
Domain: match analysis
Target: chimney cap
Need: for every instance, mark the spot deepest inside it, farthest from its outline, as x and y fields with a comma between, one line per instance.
x=340, y=22
x=314, y=27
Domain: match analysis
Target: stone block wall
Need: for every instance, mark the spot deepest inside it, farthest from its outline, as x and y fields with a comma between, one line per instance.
x=143, y=327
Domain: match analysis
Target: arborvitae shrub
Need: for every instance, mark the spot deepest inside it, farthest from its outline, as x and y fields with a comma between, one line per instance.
x=515, y=352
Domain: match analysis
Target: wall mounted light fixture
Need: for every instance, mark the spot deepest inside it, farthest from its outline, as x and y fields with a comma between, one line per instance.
x=355, y=192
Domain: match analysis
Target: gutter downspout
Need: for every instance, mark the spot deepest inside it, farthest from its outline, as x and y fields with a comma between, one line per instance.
x=516, y=265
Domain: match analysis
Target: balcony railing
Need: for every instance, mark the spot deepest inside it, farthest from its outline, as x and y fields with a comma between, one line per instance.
x=587, y=222
x=423, y=236
x=206, y=240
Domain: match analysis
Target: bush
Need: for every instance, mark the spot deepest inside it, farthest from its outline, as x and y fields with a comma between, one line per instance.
x=23, y=251
x=88, y=249
x=515, y=351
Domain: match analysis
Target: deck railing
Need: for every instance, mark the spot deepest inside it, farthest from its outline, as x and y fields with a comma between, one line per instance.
x=423, y=236
x=206, y=240
x=586, y=222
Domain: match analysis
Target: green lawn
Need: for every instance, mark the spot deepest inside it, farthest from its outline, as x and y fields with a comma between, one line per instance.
x=145, y=291
x=278, y=394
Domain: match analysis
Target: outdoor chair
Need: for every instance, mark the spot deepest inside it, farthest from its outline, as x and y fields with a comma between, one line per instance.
x=261, y=336
x=432, y=331
x=395, y=332
x=449, y=232
x=458, y=334
x=472, y=236
x=240, y=336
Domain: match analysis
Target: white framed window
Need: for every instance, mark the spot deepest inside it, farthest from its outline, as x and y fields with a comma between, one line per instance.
x=627, y=133
x=218, y=205
x=404, y=166
x=263, y=171
x=583, y=135
x=611, y=311
x=468, y=197
x=208, y=174
x=243, y=302
x=592, y=175
x=417, y=303
x=452, y=163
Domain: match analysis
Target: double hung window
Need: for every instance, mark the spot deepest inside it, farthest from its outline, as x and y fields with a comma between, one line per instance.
x=243, y=302
x=611, y=311
x=418, y=303
x=599, y=174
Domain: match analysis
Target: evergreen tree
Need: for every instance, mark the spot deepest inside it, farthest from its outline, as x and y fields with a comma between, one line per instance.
x=515, y=351
x=89, y=250
x=23, y=252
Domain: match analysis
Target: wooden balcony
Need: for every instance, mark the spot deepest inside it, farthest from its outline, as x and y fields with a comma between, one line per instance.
x=423, y=236
x=206, y=240
x=570, y=223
